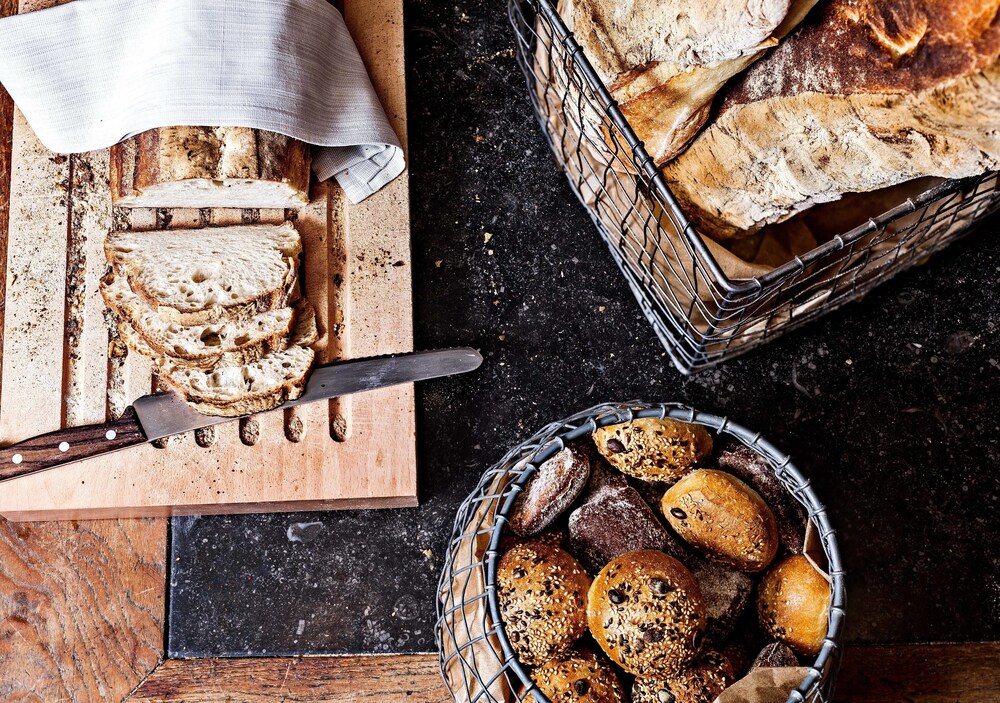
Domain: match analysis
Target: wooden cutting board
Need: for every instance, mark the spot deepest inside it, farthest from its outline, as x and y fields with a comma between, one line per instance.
x=63, y=365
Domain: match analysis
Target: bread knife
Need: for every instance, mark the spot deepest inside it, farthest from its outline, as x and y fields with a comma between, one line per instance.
x=160, y=415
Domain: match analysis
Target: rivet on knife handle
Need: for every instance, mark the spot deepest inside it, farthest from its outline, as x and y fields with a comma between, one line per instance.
x=70, y=444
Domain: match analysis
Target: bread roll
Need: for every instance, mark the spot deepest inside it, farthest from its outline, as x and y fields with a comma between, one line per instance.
x=646, y=612
x=579, y=677
x=199, y=167
x=664, y=60
x=542, y=592
x=793, y=603
x=553, y=488
x=701, y=682
x=651, y=449
x=862, y=96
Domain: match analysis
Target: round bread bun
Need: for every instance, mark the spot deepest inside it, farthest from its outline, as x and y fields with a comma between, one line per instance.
x=646, y=612
x=723, y=518
x=652, y=449
x=581, y=676
x=542, y=591
x=793, y=604
x=702, y=682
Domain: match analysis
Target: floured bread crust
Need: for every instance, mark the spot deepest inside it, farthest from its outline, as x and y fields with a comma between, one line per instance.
x=761, y=163
x=210, y=167
x=876, y=46
x=664, y=61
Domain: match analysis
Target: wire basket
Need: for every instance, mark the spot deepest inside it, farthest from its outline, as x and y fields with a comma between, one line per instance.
x=701, y=314
x=477, y=661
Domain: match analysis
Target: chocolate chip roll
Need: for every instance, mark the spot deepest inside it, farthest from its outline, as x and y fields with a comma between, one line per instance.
x=542, y=592
x=646, y=612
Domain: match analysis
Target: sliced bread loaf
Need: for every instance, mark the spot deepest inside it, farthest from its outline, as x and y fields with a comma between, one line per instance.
x=234, y=390
x=195, y=277
x=210, y=167
x=199, y=346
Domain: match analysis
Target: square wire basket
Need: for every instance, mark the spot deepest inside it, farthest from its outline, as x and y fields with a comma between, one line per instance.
x=702, y=315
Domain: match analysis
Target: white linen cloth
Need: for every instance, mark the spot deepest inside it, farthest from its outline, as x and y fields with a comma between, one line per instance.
x=88, y=73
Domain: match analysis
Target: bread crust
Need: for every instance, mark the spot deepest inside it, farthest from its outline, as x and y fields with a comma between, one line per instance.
x=208, y=156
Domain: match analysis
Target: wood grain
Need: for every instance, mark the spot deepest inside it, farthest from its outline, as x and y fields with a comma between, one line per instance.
x=81, y=609
x=414, y=679
x=61, y=353
x=946, y=673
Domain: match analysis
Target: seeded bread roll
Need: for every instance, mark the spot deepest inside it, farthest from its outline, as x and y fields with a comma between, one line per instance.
x=543, y=601
x=553, y=488
x=793, y=603
x=654, y=450
x=646, y=612
x=201, y=167
x=579, y=677
x=702, y=682
x=723, y=518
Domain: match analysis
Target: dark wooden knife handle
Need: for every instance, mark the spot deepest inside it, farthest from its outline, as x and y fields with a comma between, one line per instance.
x=70, y=444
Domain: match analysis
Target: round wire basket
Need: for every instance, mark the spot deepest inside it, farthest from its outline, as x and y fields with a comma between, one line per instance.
x=476, y=657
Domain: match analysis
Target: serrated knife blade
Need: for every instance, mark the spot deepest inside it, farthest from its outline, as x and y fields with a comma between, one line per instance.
x=160, y=415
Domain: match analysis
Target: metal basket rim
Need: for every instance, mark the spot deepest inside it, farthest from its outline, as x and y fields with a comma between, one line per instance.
x=553, y=437
x=728, y=285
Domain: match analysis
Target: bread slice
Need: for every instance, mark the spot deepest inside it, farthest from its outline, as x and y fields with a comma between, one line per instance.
x=199, y=346
x=234, y=390
x=863, y=96
x=200, y=167
x=195, y=277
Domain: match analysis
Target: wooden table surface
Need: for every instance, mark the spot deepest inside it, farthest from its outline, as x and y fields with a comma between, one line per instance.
x=82, y=619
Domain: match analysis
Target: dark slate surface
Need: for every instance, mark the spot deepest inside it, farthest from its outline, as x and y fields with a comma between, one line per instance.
x=891, y=404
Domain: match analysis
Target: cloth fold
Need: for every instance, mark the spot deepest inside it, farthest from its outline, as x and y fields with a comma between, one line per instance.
x=88, y=73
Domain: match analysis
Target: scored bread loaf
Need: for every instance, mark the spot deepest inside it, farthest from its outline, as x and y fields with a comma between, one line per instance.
x=665, y=60
x=231, y=390
x=202, y=276
x=199, y=346
x=199, y=167
x=865, y=94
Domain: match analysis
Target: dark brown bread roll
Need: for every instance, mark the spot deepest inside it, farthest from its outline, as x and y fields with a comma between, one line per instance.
x=753, y=469
x=543, y=599
x=793, y=603
x=774, y=655
x=723, y=518
x=702, y=682
x=581, y=676
x=726, y=592
x=646, y=612
x=555, y=485
x=654, y=450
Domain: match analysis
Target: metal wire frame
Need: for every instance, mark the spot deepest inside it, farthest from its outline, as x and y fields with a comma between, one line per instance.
x=700, y=314
x=477, y=661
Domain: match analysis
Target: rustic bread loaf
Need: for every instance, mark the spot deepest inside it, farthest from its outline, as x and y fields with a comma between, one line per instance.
x=264, y=384
x=664, y=60
x=863, y=95
x=200, y=346
x=210, y=167
x=206, y=275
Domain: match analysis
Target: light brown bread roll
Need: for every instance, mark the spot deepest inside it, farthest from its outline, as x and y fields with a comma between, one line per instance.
x=793, y=603
x=542, y=592
x=646, y=612
x=723, y=518
x=654, y=450
x=865, y=94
